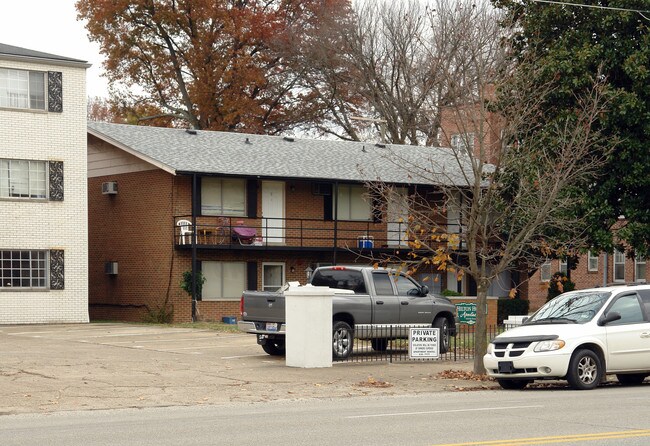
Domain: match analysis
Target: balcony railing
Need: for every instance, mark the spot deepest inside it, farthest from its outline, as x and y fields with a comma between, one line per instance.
x=230, y=232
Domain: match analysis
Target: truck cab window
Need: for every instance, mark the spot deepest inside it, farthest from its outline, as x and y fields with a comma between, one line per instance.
x=342, y=279
x=407, y=287
x=382, y=283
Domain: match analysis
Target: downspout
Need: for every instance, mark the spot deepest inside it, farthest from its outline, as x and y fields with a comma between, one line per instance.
x=335, y=202
x=605, y=264
x=194, y=262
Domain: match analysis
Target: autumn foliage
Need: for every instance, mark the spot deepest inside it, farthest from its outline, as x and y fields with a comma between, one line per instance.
x=212, y=64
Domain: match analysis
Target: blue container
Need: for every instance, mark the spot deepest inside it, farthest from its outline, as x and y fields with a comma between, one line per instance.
x=229, y=320
x=365, y=242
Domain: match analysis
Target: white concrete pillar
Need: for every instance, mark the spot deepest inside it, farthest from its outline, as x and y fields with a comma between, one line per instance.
x=308, y=312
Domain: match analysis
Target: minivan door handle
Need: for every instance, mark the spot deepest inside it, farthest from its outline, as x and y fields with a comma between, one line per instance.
x=645, y=334
x=380, y=302
x=404, y=302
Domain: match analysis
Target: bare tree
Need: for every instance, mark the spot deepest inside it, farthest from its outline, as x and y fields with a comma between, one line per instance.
x=387, y=64
x=507, y=214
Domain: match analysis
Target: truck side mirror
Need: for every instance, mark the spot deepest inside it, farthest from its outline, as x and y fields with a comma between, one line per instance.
x=424, y=290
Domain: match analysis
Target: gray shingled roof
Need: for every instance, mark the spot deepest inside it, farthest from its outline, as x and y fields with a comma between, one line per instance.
x=222, y=153
x=16, y=51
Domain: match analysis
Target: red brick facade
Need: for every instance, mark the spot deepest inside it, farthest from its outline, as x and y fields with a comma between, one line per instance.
x=583, y=277
x=137, y=229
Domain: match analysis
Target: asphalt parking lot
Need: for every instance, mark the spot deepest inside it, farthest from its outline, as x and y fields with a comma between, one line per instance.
x=106, y=365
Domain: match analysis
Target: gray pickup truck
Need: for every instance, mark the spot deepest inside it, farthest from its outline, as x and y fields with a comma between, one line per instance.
x=380, y=297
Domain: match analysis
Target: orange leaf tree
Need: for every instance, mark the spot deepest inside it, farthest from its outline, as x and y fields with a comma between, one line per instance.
x=212, y=64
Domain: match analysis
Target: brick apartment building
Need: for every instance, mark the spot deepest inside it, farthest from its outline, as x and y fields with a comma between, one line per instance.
x=43, y=237
x=251, y=212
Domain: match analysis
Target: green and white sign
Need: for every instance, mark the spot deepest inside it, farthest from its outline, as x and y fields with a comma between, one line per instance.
x=466, y=313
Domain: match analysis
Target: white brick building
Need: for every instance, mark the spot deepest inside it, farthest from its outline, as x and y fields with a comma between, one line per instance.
x=43, y=206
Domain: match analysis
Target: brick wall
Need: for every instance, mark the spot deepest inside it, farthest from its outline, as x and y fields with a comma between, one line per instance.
x=582, y=277
x=136, y=228
x=46, y=225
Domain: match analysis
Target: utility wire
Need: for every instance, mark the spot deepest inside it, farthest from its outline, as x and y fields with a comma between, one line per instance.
x=581, y=5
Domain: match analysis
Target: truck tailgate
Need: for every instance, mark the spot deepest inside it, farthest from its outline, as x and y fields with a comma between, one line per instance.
x=263, y=306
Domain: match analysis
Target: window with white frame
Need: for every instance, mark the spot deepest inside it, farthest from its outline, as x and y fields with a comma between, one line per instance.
x=23, y=179
x=545, y=271
x=352, y=203
x=564, y=267
x=23, y=269
x=272, y=276
x=639, y=269
x=592, y=261
x=223, y=196
x=462, y=140
x=22, y=89
x=619, y=266
x=223, y=280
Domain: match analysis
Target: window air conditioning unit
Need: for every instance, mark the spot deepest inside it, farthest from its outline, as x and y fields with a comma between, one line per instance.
x=109, y=188
x=110, y=268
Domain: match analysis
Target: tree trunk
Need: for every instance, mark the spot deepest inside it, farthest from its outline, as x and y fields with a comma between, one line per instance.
x=480, y=333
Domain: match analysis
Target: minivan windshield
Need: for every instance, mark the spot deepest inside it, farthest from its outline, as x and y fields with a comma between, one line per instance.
x=576, y=307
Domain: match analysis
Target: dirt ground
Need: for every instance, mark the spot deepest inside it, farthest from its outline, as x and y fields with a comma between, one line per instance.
x=47, y=368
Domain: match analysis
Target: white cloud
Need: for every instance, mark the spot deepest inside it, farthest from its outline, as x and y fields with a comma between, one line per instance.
x=51, y=26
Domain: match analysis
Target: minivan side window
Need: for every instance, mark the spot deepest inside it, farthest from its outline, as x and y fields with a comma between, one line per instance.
x=645, y=298
x=629, y=308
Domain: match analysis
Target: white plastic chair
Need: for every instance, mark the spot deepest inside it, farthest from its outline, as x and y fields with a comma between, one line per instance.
x=186, y=230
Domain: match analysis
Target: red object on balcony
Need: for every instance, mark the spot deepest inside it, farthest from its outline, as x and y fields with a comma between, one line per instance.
x=244, y=235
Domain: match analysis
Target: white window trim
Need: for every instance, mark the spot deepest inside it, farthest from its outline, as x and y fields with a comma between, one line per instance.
x=591, y=257
x=284, y=272
x=30, y=180
x=639, y=261
x=563, y=266
x=45, y=269
x=462, y=140
x=337, y=206
x=221, y=298
x=615, y=279
x=224, y=212
x=546, y=264
x=29, y=107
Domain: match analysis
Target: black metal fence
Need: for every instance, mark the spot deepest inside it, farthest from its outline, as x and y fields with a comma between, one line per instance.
x=391, y=343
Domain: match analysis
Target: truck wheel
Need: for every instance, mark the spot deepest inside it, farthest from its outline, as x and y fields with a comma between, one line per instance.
x=379, y=345
x=585, y=370
x=274, y=348
x=442, y=324
x=342, y=340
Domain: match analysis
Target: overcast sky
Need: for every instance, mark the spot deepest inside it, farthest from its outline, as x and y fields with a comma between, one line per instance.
x=51, y=26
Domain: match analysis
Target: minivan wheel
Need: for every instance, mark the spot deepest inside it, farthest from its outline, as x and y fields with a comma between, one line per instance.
x=585, y=370
x=631, y=379
x=342, y=340
x=513, y=384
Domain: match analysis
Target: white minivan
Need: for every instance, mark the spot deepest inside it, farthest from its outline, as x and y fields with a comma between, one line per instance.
x=579, y=336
